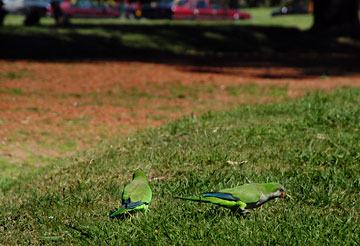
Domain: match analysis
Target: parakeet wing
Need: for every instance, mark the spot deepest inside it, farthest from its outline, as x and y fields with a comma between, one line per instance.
x=220, y=195
x=137, y=190
x=248, y=193
x=136, y=195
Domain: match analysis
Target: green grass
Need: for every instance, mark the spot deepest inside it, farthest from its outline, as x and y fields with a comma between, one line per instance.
x=7, y=168
x=262, y=16
x=258, y=91
x=310, y=145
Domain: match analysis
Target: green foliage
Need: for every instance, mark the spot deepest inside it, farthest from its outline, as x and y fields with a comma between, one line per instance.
x=311, y=146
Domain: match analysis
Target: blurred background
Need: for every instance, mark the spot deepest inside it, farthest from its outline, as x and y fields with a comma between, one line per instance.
x=74, y=73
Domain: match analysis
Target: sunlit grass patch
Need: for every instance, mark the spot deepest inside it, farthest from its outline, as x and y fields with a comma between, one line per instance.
x=269, y=90
x=262, y=16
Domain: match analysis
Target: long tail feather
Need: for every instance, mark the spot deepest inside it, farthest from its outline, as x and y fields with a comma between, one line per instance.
x=121, y=211
x=216, y=200
x=195, y=199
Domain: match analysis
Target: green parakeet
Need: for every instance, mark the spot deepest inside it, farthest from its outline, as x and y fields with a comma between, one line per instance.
x=136, y=195
x=242, y=197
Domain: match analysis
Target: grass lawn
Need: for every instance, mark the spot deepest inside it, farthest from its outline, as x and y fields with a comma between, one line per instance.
x=262, y=16
x=310, y=145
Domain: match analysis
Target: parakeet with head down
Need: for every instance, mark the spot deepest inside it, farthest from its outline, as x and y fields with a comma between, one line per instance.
x=136, y=195
x=242, y=197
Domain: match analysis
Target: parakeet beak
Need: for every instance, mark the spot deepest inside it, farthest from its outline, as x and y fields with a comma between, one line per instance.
x=282, y=195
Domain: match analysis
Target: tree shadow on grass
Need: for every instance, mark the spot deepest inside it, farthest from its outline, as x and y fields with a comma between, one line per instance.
x=210, y=46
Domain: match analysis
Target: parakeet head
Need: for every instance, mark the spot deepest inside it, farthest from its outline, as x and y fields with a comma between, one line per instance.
x=139, y=174
x=276, y=189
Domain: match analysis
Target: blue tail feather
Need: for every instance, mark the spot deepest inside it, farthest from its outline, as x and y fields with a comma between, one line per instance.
x=134, y=204
x=127, y=207
x=225, y=196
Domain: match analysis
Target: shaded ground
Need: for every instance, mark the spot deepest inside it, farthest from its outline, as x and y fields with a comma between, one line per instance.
x=178, y=42
x=53, y=109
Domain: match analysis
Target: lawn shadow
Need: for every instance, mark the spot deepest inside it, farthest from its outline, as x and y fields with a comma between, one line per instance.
x=202, y=46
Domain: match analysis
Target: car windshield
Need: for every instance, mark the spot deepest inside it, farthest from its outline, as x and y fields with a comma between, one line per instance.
x=216, y=5
x=180, y=2
x=37, y=1
x=83, y=3
x=93, y=3
x=201, y=5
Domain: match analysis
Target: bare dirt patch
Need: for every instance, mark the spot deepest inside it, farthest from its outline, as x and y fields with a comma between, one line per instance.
x=54, y=109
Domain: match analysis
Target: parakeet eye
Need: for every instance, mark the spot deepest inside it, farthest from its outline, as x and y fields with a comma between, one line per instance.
x=282, y=190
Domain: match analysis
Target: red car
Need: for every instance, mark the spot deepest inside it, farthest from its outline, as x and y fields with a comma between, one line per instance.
x=205, y=10
x=85, y=9
x=185, y=10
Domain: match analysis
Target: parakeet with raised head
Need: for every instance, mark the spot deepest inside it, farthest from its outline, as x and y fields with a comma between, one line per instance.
x=136, y=195
x=242, y=197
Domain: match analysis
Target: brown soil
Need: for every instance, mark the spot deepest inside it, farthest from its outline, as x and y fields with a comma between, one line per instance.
x=54, y=109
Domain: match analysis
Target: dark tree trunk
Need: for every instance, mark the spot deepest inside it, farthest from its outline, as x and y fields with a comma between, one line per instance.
x=336, y=15
x=234, y=4
x=2, y=12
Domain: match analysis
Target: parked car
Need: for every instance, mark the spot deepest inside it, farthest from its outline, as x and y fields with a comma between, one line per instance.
x=185, y=10
x=84, y=9
x=32, y=9
x=153, y=10
x=293, y=8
